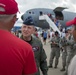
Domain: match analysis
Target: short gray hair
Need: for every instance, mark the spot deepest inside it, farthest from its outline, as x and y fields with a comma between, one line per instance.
x=5, y=18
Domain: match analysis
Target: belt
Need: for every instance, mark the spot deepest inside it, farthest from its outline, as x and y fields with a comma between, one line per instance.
x=54, y=45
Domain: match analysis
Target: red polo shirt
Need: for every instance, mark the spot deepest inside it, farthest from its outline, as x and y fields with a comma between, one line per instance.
x=16, y=56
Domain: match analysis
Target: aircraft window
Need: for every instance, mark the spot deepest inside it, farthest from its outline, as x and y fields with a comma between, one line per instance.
x=29, y=12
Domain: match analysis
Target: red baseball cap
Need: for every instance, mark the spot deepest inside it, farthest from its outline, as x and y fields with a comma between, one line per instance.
x=9, y=6
x=71, y=22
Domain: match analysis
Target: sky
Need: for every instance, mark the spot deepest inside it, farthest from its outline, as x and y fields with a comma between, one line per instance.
x=25, y=5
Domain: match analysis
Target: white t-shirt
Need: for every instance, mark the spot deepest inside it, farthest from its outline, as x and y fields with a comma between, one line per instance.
x=62, y=34
x=51, y=33
x=72, y=67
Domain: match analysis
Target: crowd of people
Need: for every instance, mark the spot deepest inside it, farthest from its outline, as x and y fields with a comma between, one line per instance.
x=64, y=44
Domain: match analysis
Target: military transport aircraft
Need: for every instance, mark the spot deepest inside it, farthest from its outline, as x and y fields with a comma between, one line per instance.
x=57, y=13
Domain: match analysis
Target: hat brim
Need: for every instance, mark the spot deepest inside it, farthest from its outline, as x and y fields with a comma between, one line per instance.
x=71, y=22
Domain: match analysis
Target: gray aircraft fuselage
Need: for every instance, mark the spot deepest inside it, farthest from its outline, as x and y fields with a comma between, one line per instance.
x=63, y=16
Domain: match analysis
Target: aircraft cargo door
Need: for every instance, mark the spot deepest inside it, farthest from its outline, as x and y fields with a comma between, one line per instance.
x=58, y=13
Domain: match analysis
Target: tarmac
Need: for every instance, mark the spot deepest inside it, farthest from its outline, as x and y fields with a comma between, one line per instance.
x=52, y=71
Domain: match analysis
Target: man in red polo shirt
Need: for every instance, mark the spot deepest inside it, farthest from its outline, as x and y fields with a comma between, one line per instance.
x=15, y=54
x=72, y=66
